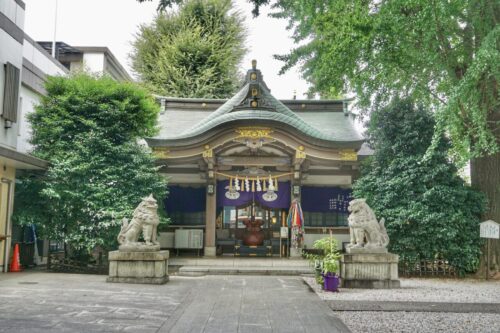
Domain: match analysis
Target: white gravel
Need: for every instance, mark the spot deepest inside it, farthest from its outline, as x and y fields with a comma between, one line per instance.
x=421, y=290
x=419, y=322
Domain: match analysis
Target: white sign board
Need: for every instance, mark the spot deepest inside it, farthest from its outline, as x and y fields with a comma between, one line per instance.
x=489, y=229
x=284, y=232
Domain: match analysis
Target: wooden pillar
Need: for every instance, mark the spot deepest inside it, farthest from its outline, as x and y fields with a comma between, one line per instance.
x=210, y=220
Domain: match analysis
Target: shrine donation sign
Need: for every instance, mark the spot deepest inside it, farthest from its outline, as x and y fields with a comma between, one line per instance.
x=489, y=229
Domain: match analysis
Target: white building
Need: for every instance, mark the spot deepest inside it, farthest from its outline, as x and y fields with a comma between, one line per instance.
x=93, y=59
x=11, y=75
x=24, y=67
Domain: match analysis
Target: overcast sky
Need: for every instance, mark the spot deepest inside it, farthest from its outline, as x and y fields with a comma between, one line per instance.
x=113, y=23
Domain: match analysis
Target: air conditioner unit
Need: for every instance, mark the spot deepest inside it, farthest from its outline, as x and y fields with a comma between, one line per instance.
x=188, y=239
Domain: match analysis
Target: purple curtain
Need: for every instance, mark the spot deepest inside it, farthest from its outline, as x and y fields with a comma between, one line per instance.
x=325, y=199
x=185, y=199
x=245, y=198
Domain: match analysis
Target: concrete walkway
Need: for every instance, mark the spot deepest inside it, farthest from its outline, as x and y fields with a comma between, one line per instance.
x=235, y=265
x=49, y=302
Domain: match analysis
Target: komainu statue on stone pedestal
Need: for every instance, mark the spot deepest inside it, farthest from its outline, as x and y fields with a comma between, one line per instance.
x=144, y=219
x=363, y=224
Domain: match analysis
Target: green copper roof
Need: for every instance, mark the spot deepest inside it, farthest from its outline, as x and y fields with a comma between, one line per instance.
x=254, y=102
x=274, y=110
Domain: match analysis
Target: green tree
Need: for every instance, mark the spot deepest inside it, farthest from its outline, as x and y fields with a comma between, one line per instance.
x=443, y=53
x=87, y=128
x=192, y=52
x=428, y=208
x=164, y=4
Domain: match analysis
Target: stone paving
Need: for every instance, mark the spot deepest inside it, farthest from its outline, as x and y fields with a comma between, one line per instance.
x=48, y=302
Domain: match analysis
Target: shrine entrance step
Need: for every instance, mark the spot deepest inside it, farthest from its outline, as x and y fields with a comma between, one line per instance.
x=240, y=265
x=253, y=251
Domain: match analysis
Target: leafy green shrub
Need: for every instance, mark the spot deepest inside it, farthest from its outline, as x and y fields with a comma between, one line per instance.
x=88, y=129
x=430, y=211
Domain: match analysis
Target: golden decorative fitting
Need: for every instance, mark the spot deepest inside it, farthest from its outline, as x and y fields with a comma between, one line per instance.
x=203, y=105
x=254, y=104
x=160, y=152
x=255, y=92
x=207, y=147
x=254, y=132
x=300, y=153
x=301, y=148
x=253, y=76
x=209, y=153
x=348, y=155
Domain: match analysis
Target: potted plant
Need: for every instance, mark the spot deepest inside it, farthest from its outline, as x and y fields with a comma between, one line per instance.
x=330, y=275
x=326, y=264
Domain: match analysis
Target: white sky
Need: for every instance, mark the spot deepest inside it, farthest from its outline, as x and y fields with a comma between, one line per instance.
x=113, y=23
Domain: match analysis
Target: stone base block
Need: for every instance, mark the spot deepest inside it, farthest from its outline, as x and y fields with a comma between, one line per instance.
x=210, y=251
x=371, y=284
x=353, y=250
x=369, y=270
x=295, y=252
x=143, y=280
x=138, y=267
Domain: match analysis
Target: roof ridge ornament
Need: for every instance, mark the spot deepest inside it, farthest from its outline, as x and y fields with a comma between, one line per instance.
x=256, y=93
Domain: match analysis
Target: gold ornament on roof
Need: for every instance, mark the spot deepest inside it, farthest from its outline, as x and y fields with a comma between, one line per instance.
x=300, y=153
x=208, y=153
x=160, y=152
x=254, y=132
x=348, y=155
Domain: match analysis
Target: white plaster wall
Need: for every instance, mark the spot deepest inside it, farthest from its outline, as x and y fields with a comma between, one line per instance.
x=41, y=59
x=13, y=11
x=93, y=62
x=29, y=100
x=75, y=66
x=10, y=51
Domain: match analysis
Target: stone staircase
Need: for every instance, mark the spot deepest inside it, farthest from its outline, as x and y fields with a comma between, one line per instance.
x=245, y=266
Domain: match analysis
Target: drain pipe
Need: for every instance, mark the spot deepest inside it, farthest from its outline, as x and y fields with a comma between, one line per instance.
x=7, y=222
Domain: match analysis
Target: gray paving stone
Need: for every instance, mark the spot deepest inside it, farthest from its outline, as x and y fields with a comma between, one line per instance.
x=414, y=306
x=62, y=303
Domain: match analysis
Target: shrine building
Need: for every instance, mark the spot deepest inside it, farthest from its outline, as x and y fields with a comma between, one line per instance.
x=247, y=158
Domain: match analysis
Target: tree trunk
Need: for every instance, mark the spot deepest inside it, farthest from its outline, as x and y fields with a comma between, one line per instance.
x=485, y=177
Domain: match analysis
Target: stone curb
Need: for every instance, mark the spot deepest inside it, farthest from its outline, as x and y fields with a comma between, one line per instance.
x=392, y=306
x=200, y=271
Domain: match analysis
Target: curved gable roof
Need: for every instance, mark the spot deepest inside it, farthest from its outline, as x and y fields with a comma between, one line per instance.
x=254, y=102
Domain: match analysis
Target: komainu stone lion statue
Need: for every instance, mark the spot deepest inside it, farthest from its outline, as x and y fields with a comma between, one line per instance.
x=144, y=219
x=363, y=224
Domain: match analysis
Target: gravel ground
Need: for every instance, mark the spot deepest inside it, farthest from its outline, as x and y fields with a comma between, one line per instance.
x=419, y=322
x=421, y=290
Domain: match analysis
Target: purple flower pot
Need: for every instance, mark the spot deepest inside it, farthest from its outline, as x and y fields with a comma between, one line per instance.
x=331, y=281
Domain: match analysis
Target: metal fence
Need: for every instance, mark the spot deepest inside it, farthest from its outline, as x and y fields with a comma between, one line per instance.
x=434, y=267
x=58, y=262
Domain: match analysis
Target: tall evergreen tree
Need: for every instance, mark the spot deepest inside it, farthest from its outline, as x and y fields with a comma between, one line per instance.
x=192, y=52
x=87, y=128
x=429, y=210
x=445, y=53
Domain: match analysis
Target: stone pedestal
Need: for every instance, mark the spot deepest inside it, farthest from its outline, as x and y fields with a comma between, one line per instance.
x=369, y=270
x=295, y=252
x=138, y=267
